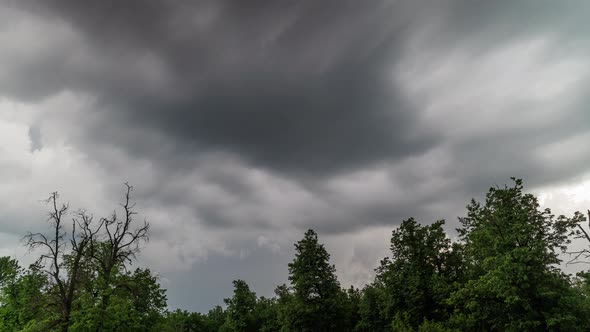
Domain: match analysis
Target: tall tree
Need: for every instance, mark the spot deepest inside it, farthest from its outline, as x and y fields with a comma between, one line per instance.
x=115, y=249
x=62, y=258
x=512, y=249
x=318, y=301
x=423, y=270
x=87, y=265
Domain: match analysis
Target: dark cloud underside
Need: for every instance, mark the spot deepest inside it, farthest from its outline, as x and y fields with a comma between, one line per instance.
x=297, y=87
x=243, y=122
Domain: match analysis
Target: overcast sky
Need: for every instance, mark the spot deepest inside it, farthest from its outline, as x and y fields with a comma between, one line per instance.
x=243, y=123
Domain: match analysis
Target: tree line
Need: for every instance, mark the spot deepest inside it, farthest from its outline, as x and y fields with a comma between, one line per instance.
x=500, y=274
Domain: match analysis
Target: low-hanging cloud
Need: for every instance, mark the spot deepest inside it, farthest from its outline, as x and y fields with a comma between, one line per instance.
x=241, y=123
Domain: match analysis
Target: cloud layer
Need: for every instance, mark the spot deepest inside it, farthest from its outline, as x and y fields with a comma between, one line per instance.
x=241, y=125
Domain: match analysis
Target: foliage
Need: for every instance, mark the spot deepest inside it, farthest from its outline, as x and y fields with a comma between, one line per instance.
x=512, y=248
x=318, y=303
x=420, y=275
x=501, y=274
x=137, y=304
x=267, y=315
x=23, y=306
x=240, y=312
x=371, y=309
x=81, y=282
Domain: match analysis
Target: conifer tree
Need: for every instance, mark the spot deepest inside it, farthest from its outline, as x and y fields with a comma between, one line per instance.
x=318, y=303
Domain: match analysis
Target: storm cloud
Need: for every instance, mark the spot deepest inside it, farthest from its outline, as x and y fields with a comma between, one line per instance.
x=242, y=123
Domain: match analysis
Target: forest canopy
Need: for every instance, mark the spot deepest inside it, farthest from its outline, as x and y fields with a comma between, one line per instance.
x=501, y=272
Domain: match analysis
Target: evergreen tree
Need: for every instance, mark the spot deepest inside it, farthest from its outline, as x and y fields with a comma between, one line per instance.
x=318, y=302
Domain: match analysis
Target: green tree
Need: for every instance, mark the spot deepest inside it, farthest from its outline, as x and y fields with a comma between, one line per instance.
x=137, y=303
x=63, y=258
x=318, y=302
x=512, y=252
x=284, y=304
x=114, y=249
x=240, y=309
x=352, y=307
x=215, y=318
x=267, y=315
x=184, y=321
x=86, y=268
x=424, y=268
x=372, y=309
x=9, y=270
x=23, y=305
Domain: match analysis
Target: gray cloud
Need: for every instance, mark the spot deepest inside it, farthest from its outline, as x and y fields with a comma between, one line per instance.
x=246, y=120
x=296, y=87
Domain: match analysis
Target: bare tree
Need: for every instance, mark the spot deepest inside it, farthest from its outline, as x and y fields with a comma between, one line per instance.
x=117, y=247
x=107, y=246
x=580, y=256
x=121, y=242
x=65, y=280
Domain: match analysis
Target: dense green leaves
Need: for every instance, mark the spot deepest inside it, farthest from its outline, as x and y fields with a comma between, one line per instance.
x=318, y=303
x=23, y=304
x=420, y=275
x=512, y=247
x=501, y=274
x=80, y=282
x=240, y=313
x=137, y=304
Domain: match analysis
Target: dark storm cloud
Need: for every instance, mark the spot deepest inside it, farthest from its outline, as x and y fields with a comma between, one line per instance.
x=300, y=87
x=243, y=122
